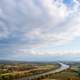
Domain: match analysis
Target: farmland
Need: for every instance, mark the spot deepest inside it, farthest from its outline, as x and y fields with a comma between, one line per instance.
x=73, y=73
x=16, y=70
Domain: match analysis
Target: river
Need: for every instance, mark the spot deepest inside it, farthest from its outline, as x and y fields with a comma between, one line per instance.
x=62, y=68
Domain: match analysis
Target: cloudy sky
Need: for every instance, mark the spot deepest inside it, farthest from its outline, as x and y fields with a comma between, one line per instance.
x=40, y=30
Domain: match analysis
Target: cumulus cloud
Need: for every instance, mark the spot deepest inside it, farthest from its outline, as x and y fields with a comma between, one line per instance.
x=38, y=23
x=62, y=24
x=48, y=52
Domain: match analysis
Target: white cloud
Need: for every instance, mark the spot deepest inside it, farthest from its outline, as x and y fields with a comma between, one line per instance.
x=39, y=22
x=3, y=29
x=62, y=24
x=48, y=52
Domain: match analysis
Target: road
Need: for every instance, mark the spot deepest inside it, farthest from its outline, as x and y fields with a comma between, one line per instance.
x=62, y=67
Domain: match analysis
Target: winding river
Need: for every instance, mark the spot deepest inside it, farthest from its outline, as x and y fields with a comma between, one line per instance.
x=62, y=68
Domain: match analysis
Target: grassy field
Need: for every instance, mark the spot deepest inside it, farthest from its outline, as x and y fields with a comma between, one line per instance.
x=73, y=73
x=16, y=70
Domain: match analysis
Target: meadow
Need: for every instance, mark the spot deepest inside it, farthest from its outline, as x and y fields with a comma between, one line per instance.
x=16, y=70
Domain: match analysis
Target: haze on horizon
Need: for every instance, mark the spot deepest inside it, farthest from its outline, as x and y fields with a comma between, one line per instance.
x=40, y=30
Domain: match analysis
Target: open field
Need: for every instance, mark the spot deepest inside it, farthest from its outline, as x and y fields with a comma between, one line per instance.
x=19, y=70
x=15, y=70
x=73, y=73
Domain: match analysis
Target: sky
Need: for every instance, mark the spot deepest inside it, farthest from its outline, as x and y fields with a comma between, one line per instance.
x=40, y=30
